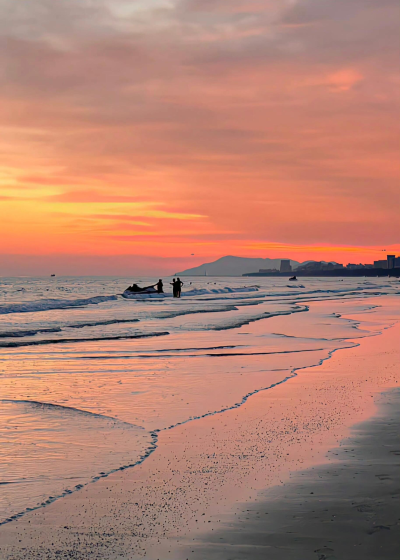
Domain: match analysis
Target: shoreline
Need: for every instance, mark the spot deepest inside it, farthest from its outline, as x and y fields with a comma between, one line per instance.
x=145, y=510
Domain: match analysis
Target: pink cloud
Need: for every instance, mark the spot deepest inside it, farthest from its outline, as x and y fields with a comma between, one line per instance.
x=344, y=79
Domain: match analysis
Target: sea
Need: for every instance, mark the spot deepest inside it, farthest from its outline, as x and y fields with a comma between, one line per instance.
x=89, y=377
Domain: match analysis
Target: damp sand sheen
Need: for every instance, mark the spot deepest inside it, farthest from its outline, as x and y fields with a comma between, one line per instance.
x=138, y=427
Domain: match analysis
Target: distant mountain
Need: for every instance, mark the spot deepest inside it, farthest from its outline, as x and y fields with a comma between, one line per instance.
x=233, y=266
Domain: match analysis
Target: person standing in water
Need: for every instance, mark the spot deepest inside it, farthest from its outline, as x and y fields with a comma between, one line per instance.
x=159, y=286
x=174, y=285
x=179, y=285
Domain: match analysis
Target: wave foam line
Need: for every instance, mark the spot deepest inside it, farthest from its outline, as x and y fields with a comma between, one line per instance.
x=156, y=352
x=50, y=304
x=100, y=323
x=266, y=315
x=74, y=340
x=68, y=409
x=207, y=355
x=33, y=332
x=180, y=313
x=227, y=354
x=191, y=293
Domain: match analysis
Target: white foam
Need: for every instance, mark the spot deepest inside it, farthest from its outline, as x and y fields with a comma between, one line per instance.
x=190, y=293
x=49, y=304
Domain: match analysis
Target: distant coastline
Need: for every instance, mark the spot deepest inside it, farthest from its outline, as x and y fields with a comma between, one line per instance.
x=244, y=266
x=336, y=273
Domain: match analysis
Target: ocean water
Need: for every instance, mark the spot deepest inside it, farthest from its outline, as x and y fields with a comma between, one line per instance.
x=89, y=378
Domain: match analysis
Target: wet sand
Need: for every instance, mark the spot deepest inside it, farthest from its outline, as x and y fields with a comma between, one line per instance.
x=202, y=473
x=348, y=509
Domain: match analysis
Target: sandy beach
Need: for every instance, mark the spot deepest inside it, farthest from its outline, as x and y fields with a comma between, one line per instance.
x=348, y=508
x=202, y=493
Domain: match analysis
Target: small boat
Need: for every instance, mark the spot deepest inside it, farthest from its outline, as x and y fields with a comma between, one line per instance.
x=148, y=290
x=52, y=275
x=293, y=278
x=137, y=291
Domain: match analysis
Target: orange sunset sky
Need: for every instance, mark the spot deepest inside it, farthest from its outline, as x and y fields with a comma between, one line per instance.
x=137, y=133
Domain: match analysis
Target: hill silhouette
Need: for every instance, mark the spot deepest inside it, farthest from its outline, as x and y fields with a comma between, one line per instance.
x=233, y=266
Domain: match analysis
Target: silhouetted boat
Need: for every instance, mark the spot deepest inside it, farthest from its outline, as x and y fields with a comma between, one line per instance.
x=136, y=290
x=52, y=274
x=293, y=278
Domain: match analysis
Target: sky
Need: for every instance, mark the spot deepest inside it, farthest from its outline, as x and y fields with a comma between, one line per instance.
x=149, y=136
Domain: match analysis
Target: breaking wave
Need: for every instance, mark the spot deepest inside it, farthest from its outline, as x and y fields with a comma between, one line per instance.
x=192, y=293
x=33, y=332
x=49, y=304
x=266, y=315
x=19, y=344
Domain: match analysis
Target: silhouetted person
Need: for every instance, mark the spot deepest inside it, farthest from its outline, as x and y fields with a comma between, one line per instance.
x=174, y=285
x=159, y=286
x=134, y=288
x=179, y=285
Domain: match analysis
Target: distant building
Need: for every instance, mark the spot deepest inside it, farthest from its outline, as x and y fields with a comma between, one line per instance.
x=390, y=261
x=359, y=266
x=380, y=264
x=397, y=262
x=286, y=266
x=310, y=266
x=314, y=266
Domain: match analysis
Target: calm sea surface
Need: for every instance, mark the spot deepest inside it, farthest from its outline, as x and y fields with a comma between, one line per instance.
x=88, y=377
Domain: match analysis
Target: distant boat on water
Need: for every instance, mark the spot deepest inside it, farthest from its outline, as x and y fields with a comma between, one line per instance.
x=293, y=278
x=52, y=274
